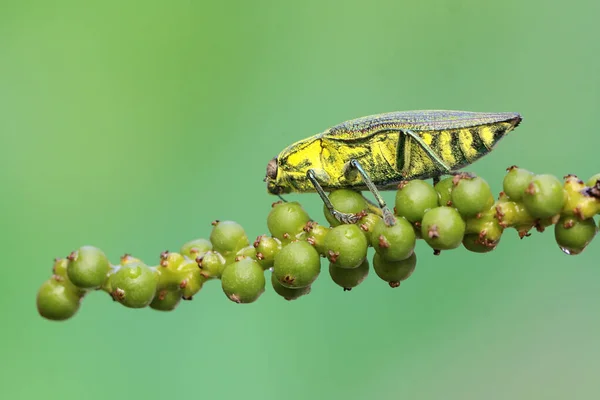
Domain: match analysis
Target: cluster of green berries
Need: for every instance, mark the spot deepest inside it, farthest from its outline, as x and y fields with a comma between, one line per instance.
x=458, y=210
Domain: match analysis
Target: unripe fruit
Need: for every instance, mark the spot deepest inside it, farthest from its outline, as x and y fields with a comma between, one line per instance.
x=195, y=248
x=472, y=196
x=443, y=228
x=475, y=243
x=444, y=191
x=396, y=242
x=345, y=201
x=515, y=182
x=394, y=272
x=243, y=281
x=297, y=265
x=349, y=278
x=367, y=224
x=413, y=198
x=228, y=237
x=88, y=267
x=316, y=236
x=288, y=293
x=266, y=248
x=593, y=180
x=211, y=264
x=166, y=300
x=573, y=235
x=286, y=221
x=346, y=246
x=134, y=286
x=56, y=302
x=544, y=196
x=59, y=271
x=579, y=199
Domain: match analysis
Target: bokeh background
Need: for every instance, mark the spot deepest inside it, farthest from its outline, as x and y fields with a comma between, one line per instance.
x=132, y=125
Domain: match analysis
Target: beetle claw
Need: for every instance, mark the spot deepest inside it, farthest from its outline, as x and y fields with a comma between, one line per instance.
x=346, y=218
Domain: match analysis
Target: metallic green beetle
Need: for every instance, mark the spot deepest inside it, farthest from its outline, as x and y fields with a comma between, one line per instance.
x=379, y=151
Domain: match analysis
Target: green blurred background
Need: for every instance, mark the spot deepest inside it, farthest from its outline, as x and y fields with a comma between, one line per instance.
x=132, y=125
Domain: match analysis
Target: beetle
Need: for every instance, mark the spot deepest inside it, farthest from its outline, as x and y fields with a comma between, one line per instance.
x=377, y=152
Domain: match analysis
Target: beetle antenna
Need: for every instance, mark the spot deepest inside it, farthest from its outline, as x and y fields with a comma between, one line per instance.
x=281, y=198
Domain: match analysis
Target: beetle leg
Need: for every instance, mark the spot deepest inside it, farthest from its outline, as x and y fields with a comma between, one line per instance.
x=340, y=216
x=434, y=157
x=388, y=217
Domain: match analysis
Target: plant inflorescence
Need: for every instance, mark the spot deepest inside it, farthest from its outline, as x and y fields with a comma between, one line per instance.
x=458, y=211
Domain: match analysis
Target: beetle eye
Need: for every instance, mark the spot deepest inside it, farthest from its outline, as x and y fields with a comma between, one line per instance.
x=272, y=169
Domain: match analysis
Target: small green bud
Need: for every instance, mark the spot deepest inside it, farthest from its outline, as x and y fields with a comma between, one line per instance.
x=573, y=235
x=472, y=196
x=88, y=267
x=367, y=224
x=316, y=236
x=211, y=264
x=544, y=196
x=56, y=302
x=443, y=228
x=243, y=281
x=166, y=300
x=286, y=221
x=195, y=248
x=134, y=285
x=346, y=246
x=297, y=265
x=394, y=272
x=345, y=201
x=593, y=180
x=444, y=191
x=515, y=182
x=396, y=242
x=228, y=237
x=413, y=198
x=266, y=249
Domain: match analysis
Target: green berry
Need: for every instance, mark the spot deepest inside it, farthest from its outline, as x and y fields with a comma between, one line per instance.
x=59, y=271
x=316, y=237
x=288, y=293
x=228, y=237
x=345, y=201
x=211, y=264
x=444, y=191
x=515, y=182
x=88, y=267
x=472, y=196
x=134, y=286
x=56, y=302
x=191, y=279
x=473, y=242
x=266, y=249
x=166, y=300
x=286, y=221
x=414, y=198
x=243, y=281
x=593, y=180
x=349, y=278
x=579, y=200
x=297, y=265
x=367, y=224
x=249, y=251
x=573, y=235
x=396, y=242
x=443, y=228
x=394, y=272
x=195, y=248
x=346, y=246
x=544, y=196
